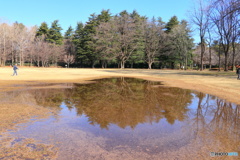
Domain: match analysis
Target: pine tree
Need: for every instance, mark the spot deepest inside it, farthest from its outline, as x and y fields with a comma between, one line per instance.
x=182, y=43
x=69, y=33
x=42, y=30
x=105, y=16
x=138, y=54
x=78, y=42
x=54, y=34
x=173, y=22
x=86, y=46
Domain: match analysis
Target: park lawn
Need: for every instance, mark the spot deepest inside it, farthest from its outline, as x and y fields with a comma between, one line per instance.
x=222, y=84
x=12, y=112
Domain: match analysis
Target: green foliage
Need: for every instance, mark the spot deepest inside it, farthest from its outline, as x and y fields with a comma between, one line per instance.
x=69, y=33
x=42, y=30
x=179, y=45
x=138, y=54
x=54, y=34
x=124, y=39
x=77, y=40
x=84, y=37
x=173, y=22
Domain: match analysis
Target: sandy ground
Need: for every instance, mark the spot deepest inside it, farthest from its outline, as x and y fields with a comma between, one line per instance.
x=222, y=84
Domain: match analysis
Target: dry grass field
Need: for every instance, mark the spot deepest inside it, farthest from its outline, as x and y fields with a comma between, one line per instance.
x=222, y=84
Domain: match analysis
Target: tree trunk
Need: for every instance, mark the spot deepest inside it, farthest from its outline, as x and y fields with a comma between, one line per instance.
x=105, y=64
x=186, y=61
x=93, y=64
x=122, y=64
x=149, y=65
x=202, y=52
x=102, y=63
x=12, y=54
x=31, y=61
x=219, y=59
x=226, y=61
x=210, y=58
x=4, y=52
x=233, y=59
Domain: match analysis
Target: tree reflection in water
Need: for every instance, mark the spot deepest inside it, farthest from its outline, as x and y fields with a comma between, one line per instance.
x=216, y=121
x=121, y=101
x=210, y=124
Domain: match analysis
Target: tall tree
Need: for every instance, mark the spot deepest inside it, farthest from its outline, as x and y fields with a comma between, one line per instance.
x=154, y=37
x=42, y=30
x=183, y=43
x=4, y=38
x=224, y=24
x=201, y=18
x=173, y=22
x=88, y=42
x=54, y=34
x=69, y=47
x=138, y=55
x=78, y=42
x=69, y=33
x=122, y=35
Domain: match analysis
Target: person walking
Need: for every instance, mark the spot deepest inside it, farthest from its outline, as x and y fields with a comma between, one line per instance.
x=238, y=71
x=15, y=68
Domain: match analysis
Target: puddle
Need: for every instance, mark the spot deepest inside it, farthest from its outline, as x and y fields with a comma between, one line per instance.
x=125, y=118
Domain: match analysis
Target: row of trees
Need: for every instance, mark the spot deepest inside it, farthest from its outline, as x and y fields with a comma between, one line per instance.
x=218, y=23
x=19, y=44
x=104, y=40
x=132, y=39
x=129, y=40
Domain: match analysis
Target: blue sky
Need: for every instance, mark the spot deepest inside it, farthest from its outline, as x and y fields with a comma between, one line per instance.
x=69, y=12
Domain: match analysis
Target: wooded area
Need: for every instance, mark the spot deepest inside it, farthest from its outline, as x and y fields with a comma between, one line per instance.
x=129, y=40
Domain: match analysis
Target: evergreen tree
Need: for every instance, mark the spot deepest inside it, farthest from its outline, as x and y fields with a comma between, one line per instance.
x=78, y=42
x=182, y=43
x=54, y=34
x=69, y=47
x=42, y=30
x=69, y=33
x=138, y=54
x=173, y=22
x=88, y=40
x=105, y=16
x=87, y=43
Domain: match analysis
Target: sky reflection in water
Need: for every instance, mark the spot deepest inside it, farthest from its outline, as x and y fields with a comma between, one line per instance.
x=136, y=118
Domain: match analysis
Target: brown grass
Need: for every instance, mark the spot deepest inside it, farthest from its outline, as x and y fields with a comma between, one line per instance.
x=222, y=84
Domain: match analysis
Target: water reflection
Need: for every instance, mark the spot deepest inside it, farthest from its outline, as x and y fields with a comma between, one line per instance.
x=216, y=120
x=121, y=101
x=145, y=118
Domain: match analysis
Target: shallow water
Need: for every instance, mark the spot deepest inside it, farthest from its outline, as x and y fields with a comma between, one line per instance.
x=125, y=118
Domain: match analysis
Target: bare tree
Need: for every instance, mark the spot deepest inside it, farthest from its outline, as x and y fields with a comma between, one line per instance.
x=222, y=17
x=235, y=18
x=69, y=59
x=200, y=18
x=4, y=30
x=154, y=37
x=209, y=40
